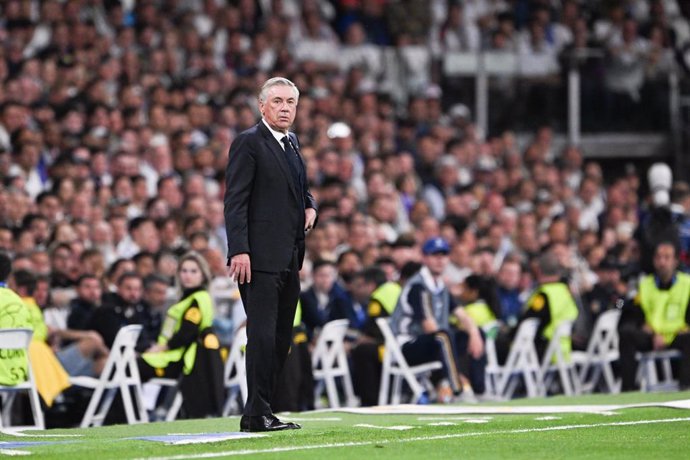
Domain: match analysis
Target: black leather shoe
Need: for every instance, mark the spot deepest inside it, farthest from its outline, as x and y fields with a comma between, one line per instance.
x=249, y=423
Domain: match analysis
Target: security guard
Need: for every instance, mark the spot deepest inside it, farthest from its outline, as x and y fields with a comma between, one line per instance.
x=658, y=317
x=186, y=346
x=476, y=306
x=14, y=366
x=552, y=303
x=369, y=286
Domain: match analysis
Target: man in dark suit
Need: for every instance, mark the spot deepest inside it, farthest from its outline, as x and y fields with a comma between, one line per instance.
x=268, y=210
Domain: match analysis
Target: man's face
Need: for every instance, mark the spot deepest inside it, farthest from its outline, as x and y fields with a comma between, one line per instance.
x=436, y=262
x=90, y=290
x=509, y=275
x=155, y=294
x=130, y=290
x=665, y=262
x=324, y=278
x=362, y=289
x=280, y=107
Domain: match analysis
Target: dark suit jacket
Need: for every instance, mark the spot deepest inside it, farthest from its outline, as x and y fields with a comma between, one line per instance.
x=264, y=207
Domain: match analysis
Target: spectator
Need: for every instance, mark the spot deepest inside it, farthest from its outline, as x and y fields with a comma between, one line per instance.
x=422, y=321
x=86, y=302
x=325, y=300
x=124, y=307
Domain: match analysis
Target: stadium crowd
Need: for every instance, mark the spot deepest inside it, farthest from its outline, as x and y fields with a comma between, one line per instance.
x=116, y=118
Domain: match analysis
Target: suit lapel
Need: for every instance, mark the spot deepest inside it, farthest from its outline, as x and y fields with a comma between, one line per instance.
x=279, y=154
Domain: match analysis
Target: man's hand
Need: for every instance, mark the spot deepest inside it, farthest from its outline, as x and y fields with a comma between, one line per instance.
x=429, y=325
x=309, y=218
x=240, y=269
x=658, y=342
x=475, y=346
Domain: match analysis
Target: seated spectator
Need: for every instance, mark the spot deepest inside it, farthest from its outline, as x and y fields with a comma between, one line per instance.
x=325, y=300
x=88, y=300
x=422, y=322
x=121, y=308
x=81, y=352
x=658, y=318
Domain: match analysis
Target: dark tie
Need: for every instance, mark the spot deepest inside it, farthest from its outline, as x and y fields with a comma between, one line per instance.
x=293, y=159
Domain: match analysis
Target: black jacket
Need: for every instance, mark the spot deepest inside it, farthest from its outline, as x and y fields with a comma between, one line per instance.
x=264, y=206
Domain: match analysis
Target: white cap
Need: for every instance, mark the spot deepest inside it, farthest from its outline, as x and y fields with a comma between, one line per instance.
x=338, y=130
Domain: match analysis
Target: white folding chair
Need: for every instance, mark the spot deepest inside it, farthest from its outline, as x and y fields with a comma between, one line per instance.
x=19, y=339
x=522, y=362
x=602, y=351
x=329, y=361
x=647, y=374
x=120, y=373
x=235, y=373
x=492, y=370
x=395, y=368
x=554, y=362
x=173, y=399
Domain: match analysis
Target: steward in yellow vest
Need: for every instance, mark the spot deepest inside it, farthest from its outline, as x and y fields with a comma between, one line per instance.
x=371, y=289
x=13, y=314
x=657, y=318
x=187, y=348
x=552, y=303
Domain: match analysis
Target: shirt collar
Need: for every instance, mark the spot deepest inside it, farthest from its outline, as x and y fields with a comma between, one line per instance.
x=277, y=134
x=434, y=285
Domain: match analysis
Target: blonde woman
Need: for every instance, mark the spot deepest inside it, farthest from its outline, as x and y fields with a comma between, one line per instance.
x=187, y=346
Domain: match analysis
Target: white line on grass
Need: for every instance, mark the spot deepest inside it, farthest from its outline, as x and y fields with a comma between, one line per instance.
x=393, y=427
x=28, y=433
x=310, y=419
x=229, y=453
x=14, y=453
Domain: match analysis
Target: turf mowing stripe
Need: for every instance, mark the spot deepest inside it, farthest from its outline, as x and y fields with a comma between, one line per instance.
x=415, y=439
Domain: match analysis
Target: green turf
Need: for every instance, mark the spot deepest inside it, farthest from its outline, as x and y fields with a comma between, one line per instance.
x=502, y=436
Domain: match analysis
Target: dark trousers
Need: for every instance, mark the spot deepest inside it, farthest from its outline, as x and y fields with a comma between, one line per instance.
x=270, y=301
x=438, y=346
x=366, y=372
x=632, y=339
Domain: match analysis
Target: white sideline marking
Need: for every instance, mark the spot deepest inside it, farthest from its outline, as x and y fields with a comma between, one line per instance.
x=461, y=418
x=27, y=433
x=415, y=439
x=323, y=419
x=13, y=452
x=415, y=409
x=443, y=424
x=547, y=417
x=476, y=420
x=394, y=427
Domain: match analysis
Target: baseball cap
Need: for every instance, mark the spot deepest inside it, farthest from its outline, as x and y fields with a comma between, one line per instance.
x=435, y=246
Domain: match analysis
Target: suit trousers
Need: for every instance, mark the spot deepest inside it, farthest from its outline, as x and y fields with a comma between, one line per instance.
x=270, y=301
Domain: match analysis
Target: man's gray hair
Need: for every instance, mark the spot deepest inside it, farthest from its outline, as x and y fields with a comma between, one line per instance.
x=549, y=265
x=276, y=81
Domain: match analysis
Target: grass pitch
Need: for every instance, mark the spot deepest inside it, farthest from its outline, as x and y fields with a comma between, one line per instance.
x=641, y=432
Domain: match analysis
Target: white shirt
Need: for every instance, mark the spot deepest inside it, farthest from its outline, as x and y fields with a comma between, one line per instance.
x=277, y=134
